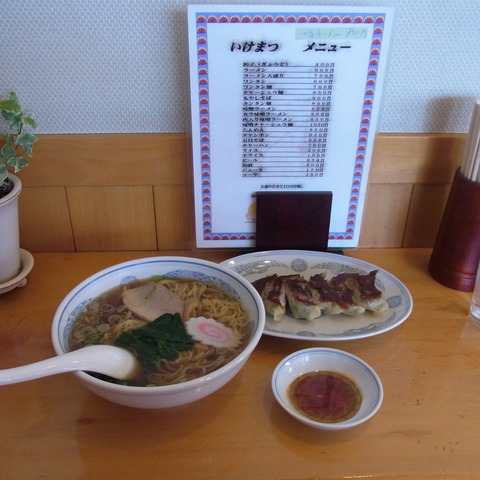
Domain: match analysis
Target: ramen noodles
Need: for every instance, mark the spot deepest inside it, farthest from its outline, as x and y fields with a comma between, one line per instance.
x=106, y=317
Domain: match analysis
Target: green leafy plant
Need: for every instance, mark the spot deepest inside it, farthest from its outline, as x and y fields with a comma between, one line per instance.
x=18, y=142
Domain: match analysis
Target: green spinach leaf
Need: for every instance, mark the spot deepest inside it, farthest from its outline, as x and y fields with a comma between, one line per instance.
x=164, y=337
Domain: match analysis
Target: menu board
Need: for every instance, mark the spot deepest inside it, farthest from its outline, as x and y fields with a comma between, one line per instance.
x=283, y=98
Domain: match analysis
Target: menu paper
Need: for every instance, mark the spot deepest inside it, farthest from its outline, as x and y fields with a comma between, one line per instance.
x=283, y=98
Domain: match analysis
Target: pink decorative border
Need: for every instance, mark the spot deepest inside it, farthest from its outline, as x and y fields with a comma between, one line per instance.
x=202, y=21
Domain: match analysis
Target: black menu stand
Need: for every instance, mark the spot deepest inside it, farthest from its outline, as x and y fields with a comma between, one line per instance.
x=293, y=220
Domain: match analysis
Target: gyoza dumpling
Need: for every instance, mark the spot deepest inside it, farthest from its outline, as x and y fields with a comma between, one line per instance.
x=365, y=293
x=325, y=295
x=345, y=294
x=299, y=299
x=272, y=291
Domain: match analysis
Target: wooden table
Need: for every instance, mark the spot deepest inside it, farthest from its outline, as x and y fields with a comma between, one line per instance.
x=428, y=426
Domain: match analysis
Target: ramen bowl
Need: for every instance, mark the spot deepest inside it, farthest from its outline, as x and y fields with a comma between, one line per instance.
x=313, y=361
x=163, y=396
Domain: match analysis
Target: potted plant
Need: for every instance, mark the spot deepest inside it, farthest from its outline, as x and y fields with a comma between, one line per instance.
x=16, y=148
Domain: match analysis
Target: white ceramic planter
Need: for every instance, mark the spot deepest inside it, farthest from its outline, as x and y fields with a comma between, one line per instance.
x=9, y=233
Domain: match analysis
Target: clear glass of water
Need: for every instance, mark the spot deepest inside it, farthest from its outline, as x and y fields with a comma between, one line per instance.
x=475, y=305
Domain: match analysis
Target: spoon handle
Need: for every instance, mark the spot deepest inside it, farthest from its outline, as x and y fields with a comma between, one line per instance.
x=109, y=360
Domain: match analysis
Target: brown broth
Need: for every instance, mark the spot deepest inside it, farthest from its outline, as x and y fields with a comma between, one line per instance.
x=325, y=396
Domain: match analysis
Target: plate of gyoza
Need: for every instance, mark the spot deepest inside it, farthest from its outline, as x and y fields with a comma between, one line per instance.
x=323, y=296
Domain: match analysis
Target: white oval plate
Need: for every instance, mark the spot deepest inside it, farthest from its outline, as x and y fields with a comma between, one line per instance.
x=253, y=266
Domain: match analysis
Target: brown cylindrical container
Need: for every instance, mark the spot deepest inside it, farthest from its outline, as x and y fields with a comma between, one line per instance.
x=456, y=252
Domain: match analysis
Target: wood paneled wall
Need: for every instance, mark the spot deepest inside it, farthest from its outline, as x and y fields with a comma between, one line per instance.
x=134, y=192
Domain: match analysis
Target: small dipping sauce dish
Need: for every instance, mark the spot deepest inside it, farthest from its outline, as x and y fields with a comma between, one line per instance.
x=327, y=388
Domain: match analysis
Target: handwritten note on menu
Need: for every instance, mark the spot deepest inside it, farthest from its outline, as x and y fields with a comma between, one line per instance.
x=283, y=99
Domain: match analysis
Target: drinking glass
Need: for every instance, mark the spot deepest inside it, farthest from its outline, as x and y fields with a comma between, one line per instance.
x=475, y=305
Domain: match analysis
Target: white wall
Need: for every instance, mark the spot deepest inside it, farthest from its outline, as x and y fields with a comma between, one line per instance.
x=117, y=66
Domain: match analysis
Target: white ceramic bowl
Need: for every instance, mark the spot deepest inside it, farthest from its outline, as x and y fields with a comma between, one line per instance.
x=168, y=395
x=328, y=359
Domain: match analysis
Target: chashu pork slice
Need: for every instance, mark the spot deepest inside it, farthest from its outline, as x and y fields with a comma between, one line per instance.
x=152, y=300
x=365, y=292
x=272, y=291
x=299, y=300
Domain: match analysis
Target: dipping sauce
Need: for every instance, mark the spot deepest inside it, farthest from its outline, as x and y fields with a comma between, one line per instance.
x=324, y=396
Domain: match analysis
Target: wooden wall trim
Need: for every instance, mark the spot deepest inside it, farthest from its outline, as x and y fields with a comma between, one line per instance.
x=163, y=159
x=108, y=159
x=416, y=158
x=134, y=192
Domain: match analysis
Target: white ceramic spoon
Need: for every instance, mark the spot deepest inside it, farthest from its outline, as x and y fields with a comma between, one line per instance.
x=113, y=361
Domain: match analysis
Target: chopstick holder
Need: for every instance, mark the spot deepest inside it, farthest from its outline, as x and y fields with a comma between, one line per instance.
x=456, y=251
